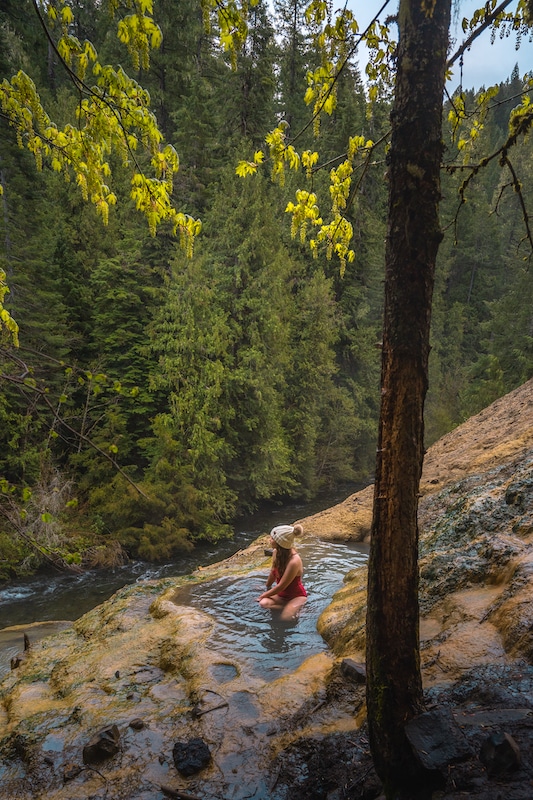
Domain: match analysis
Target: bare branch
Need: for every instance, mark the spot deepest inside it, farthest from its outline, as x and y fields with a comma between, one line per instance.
x=517, y=186
x=522, y=128
x=478, y=31
x=54, y=559
x=79, y=435
x=499, y=198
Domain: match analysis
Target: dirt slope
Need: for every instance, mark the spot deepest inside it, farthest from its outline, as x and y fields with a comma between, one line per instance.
x=493, y=437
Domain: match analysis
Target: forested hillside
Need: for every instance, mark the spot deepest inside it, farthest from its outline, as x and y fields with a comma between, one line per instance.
x=155, y=395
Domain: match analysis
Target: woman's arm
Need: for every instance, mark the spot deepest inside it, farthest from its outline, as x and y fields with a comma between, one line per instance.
x=271, y=578
x=292, y=570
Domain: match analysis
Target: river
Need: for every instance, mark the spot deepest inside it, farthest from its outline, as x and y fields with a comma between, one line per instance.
x=49, y=598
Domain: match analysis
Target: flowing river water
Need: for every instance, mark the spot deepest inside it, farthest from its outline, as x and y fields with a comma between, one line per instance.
x=48, y=602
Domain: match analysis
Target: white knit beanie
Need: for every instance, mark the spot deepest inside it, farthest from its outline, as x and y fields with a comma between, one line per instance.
x=283, y=535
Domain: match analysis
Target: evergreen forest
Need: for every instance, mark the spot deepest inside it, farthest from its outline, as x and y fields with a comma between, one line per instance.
x=158, y=395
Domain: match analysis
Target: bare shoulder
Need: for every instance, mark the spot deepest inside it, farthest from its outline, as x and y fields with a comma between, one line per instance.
x=295, y=559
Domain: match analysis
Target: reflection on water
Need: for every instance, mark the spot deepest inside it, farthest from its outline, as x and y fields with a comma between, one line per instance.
x=66, y=596
x=253, y=634
x=257, y=635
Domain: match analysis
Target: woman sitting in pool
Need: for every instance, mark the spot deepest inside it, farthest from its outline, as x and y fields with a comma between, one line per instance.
x=288, y=595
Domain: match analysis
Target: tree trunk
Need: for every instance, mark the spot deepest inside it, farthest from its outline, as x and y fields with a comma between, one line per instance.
x=394, y=687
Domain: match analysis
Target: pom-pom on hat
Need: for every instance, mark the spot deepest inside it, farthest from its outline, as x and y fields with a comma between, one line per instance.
x=283, y=535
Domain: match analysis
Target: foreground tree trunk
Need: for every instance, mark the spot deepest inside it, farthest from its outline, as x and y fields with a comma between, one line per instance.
x=394, y=687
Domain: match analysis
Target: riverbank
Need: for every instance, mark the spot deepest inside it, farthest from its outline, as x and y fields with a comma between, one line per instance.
x=492, y=438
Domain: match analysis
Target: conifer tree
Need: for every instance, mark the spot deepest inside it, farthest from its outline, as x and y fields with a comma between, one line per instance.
x=249, y=88
x=296, y=57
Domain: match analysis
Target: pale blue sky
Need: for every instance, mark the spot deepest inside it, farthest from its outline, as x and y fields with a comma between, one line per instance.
x=484, y=64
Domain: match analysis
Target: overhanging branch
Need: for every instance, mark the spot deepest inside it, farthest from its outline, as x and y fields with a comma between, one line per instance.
x=21, y=383
x=478, y=31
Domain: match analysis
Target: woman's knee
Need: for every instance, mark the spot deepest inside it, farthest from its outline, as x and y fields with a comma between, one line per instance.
x=292, y=609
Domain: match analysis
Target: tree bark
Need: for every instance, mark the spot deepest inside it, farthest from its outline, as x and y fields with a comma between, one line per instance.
x=394, y=685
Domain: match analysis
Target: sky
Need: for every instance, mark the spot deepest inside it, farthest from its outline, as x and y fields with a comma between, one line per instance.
x=484, y=64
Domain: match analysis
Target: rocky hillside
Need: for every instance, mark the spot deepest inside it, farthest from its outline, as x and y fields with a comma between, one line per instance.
x=476, y=546
x=497, y=436
x=107, y=707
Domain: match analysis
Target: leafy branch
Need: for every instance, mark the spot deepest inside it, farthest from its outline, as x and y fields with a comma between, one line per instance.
x=112, y=116
x=322, y=85
x=520, y=123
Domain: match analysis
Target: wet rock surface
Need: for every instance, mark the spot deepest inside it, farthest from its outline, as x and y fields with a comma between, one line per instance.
x=475, y=750
x=437, y=739
x=144, y=664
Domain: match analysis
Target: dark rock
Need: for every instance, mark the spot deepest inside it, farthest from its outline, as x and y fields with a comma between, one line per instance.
x=17, y=660
x=191, y=757
x=351, y=669
x=514, y=497
x=467, y=776
x=71, y=771
x=137, y=724
x=500, y=753
x=76, y=715
x=437, y=740
x=102, y=746
x=495, y=687
x=19, y=746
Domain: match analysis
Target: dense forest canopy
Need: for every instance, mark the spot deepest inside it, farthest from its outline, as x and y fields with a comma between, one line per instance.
x=158, y=392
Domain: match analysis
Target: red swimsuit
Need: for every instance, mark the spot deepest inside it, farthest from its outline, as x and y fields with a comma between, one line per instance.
x=294, y=589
